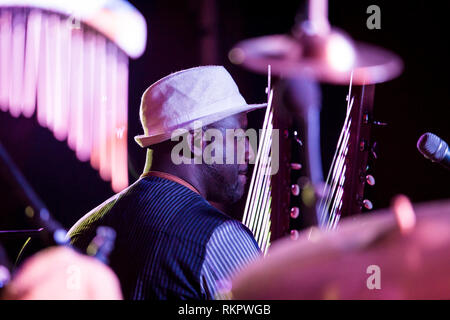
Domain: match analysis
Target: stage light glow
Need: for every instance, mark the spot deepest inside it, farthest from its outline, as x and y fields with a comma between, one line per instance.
x=404, y=213
x=340, y=54
x=73, y=73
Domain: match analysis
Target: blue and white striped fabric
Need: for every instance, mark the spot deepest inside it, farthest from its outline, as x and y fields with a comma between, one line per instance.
x=171, y=243
x=228, y=250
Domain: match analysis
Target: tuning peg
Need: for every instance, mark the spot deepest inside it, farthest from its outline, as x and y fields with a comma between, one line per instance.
x=363, y=145
x=378, y=123
x=294, y=134
x=295, y=189
x=373, y=150
x=366, y=120
x=295, y=212
x=367, y=204
x=296, y=166
x=294, y=234
x=297, y=139
x=370, y=180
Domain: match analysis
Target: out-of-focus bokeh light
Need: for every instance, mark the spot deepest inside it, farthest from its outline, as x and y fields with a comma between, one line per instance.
x=340, y=53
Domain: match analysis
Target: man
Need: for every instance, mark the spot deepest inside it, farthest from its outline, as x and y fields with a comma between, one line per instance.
x=171, y=242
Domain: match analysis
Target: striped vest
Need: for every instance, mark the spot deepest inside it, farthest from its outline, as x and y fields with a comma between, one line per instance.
x=163, y=229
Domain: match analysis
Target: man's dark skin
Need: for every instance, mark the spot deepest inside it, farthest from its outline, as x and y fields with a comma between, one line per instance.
x=219, y=183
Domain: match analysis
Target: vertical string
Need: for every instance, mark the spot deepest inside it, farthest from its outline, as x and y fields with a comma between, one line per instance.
x=251, y=191
x=262, y=199
x=264, y=145
x=258, y=204
x=337, y=163
x=337, y=170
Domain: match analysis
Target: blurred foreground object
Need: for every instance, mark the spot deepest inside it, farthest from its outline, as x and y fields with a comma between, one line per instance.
x=408, y=253
x=59, y=273
x=318, y=51
x=68, y=61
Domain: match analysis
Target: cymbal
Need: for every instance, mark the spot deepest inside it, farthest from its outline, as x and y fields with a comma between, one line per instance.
x=327, y=58
x=339, y=264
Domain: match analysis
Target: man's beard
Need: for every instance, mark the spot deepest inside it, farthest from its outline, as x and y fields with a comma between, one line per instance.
x=224, y=192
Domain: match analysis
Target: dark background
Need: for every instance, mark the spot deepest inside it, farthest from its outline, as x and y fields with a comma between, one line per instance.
x=412, y=104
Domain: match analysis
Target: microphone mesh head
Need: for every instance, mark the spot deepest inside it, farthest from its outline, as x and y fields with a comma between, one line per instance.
x=432, y=147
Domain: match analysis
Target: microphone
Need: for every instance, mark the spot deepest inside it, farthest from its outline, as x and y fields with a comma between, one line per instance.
x=434, y=148
x=5, y=266
x=103, y=244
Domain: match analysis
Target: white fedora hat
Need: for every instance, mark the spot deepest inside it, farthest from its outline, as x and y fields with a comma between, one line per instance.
x=206, y=94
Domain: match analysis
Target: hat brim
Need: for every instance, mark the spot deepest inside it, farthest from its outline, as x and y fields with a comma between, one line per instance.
x=148, y=140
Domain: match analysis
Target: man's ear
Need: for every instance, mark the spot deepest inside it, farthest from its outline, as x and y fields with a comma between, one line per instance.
x=196, y=144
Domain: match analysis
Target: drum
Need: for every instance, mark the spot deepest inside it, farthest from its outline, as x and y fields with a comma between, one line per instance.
x=366, y=257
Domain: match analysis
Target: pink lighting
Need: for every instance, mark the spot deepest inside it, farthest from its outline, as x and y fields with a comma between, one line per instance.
x=76, y=89
x=5, y=51
x=318, y=16
x=339, y=53
x=32, y=48
x=84, y=133
x=43, y=78
x=73, y=75
x=18, y=48
x=404, y=213
x=99, y=93
x=120, y=180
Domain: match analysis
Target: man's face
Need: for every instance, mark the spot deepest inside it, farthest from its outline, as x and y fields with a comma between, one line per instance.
x=226, y=182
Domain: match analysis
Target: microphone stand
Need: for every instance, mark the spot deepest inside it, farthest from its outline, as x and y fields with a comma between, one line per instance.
x=49, y=229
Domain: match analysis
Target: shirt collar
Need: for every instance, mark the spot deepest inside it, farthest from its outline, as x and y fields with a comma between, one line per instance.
x=170, y=177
